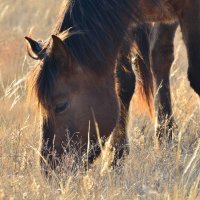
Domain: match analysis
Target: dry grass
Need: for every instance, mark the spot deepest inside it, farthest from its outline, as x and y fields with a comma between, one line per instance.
x=172, y=173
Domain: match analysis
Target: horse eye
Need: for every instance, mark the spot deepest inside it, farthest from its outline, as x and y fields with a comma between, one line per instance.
x=60, y=108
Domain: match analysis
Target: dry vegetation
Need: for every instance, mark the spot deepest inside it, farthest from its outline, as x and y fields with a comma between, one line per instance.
x=172, y=173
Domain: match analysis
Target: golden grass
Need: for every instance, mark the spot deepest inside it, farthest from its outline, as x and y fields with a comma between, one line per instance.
x=171, y=173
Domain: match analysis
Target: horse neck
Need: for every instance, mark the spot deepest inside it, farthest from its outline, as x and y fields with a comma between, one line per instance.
x=102, y=25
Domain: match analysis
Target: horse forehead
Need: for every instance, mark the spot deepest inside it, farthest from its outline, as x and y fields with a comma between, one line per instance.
x=66, y=83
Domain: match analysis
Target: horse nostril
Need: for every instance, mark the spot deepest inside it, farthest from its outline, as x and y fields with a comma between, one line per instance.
x=67, y=131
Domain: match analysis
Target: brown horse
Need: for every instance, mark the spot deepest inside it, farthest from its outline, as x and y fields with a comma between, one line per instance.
x=75, y=78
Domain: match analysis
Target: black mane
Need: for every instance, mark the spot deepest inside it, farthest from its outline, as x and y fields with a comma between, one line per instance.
x=101, y=25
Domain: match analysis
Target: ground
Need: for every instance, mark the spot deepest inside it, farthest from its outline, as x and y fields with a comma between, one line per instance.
x=148, y=173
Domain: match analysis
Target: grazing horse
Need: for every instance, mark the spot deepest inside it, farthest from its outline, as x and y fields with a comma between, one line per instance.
x=75, y=79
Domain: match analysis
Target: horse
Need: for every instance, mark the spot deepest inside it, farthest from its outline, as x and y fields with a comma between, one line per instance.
x=75, y=79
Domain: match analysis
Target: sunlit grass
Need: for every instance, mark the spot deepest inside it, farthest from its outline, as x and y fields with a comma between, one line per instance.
x=148, y=173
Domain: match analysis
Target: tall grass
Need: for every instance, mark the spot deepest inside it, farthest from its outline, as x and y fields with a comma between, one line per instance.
x=170, y=173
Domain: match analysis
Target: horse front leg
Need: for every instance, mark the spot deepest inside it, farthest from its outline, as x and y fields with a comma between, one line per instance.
x=161, y=58
x=126, y=86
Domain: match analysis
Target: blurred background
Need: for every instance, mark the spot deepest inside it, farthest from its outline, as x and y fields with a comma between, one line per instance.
x=18, y=19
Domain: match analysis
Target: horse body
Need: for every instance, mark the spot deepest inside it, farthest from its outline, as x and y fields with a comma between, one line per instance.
x=75, y=79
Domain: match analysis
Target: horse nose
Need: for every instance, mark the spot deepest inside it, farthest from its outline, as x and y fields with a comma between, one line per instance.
x=69, y=132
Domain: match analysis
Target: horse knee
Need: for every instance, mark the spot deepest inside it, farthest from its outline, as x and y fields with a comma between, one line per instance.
x=161, y=60
x=194, y=79
x=126, y=85
x=129, y=89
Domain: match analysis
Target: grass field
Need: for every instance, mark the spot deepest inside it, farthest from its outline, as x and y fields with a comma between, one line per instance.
x=171, y=173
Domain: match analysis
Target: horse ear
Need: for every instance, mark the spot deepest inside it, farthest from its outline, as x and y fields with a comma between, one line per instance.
x=60, y=51
x=34, y=48
x=58, y=48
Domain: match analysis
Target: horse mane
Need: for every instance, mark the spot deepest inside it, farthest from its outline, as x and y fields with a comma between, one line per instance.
x=41, y=81
x=102, y=24
x=144, y=78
